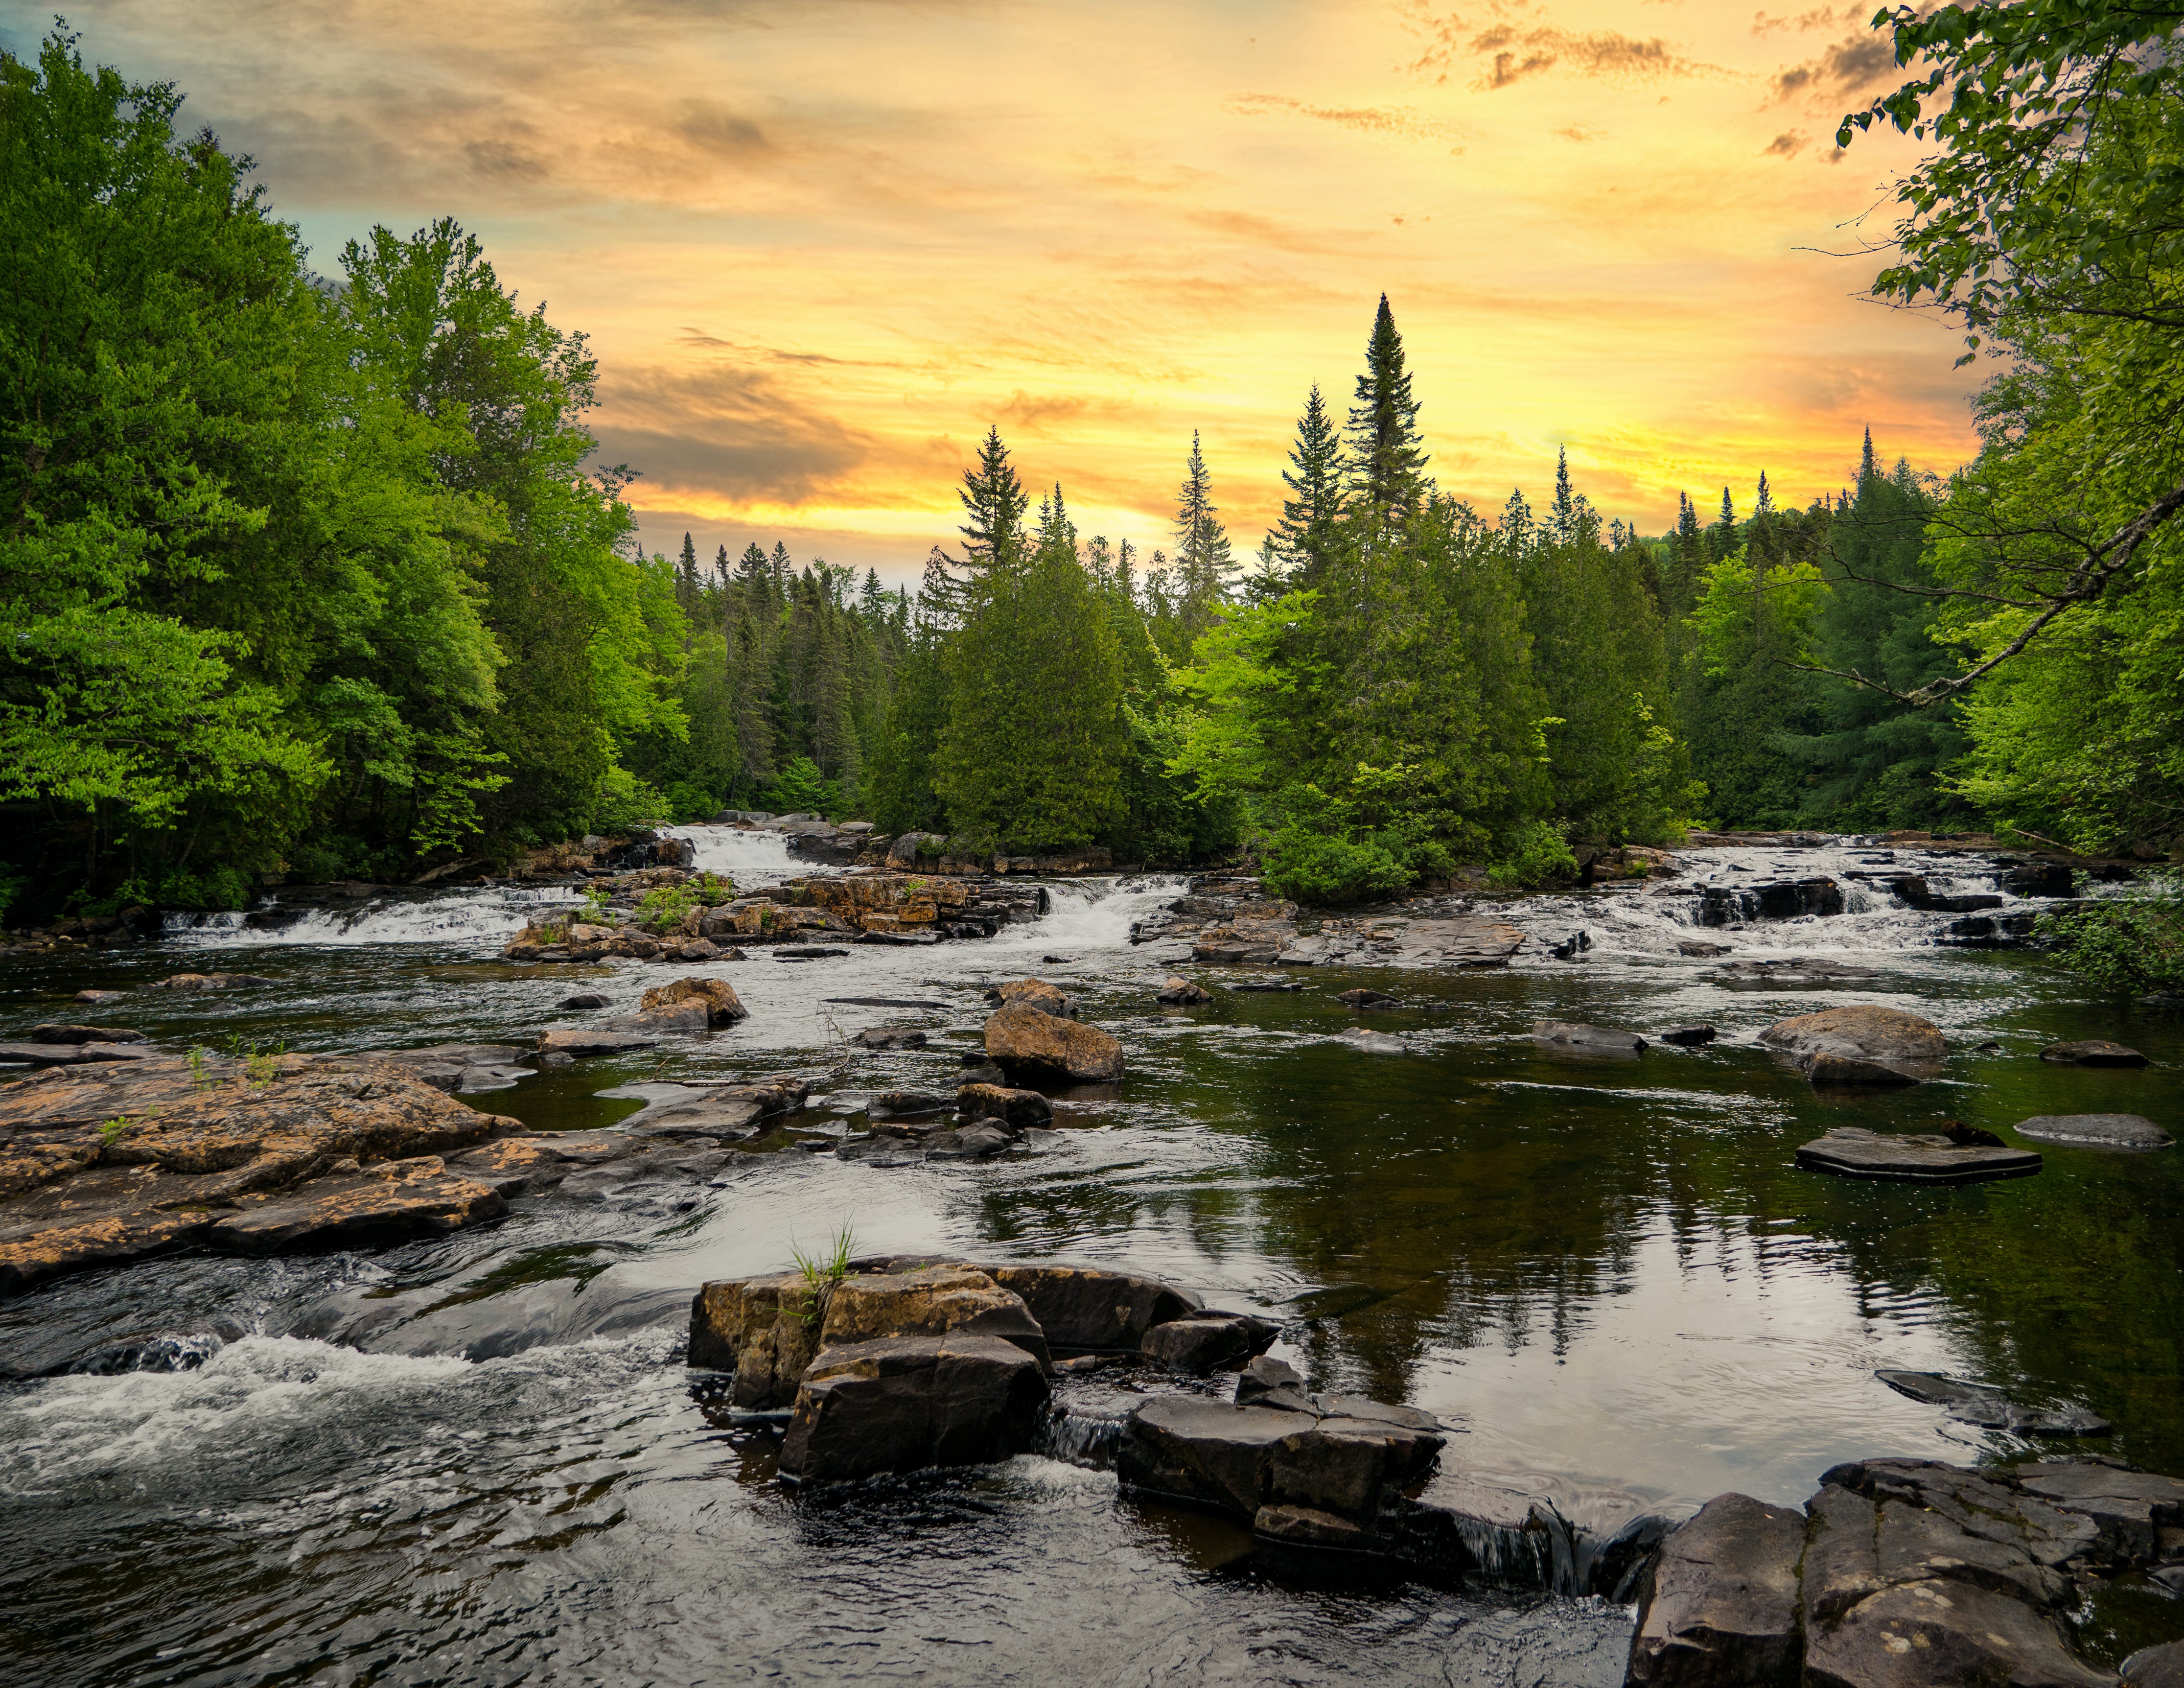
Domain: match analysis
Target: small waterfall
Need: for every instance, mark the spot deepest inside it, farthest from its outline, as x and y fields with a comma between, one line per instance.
x=752, y=858
x=1083, y=1439
x=464, y=917
x=1096, y=914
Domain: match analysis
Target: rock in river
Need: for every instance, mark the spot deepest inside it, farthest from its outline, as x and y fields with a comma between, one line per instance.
x=902, y=1403
x=2098, y=1131
x=1024, y=1041
x=2092, y=1052
x=208, y=981
x=1031, y=993
x=1590, y=1039
x=106, y=1164
x=1722, y=1609
x=1018, y=1111
x=1179, y=992
x=84, y=1034
x=1990, y=1409
x=717, y=997
x=1860, y=1045
x=1856, y=1153
x=1208, y=1341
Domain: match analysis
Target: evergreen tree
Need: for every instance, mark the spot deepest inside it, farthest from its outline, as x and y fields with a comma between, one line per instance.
x=1721, y=537
x=994, y=503
x=1387, y=453
x=1304, y=539
x=1203, y=560
x=687, y=583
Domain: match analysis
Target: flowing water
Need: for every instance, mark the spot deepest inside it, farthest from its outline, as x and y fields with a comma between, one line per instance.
x=479, y=1459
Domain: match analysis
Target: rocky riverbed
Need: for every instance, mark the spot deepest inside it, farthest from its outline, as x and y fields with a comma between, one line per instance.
x=1543, y=1232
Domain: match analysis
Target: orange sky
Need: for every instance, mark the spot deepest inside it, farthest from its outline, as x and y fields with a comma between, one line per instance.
x=819, y=246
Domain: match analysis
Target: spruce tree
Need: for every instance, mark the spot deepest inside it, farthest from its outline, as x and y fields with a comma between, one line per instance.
x=752, y=568
x=994, y=501
x=1387, y=454
x=783, y=567
x=723, y=570
x=1203, y=560
x=1721, y=537
x=1562, y=517
x=1305, y=537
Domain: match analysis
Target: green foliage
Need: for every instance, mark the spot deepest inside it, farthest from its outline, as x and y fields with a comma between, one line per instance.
x=801, y=789
x=1535, y=855
x=2133, y=943
x=623, y=801
x=11, y=887
x=663, y=906
x=822, y=1271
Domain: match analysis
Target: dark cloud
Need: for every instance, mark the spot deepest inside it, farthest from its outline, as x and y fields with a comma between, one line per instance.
x=713, y=128
x=1515, y=51
x=1389, y=120
x=1821, y=17
x=736, y=432
x=1787, y=145
x=1851, y=66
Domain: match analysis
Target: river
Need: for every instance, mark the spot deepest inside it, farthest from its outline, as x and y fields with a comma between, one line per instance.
x=479, y=1460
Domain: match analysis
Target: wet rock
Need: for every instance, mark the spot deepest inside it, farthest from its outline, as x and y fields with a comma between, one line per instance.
x=766, y=1330
x=1592, y=1039
x=1852, y=1151
x=1179, y=992
x=1864, y=1045
x=95, y=997
x=2161, y=1667
x=454, y=1055
x=586, y=1000
x=1794, y=970
x=390, y=1201
x=2100, y=1131
x=1018, y=1111
x=2128, y=1509
x=1086, y=1308
x=1572, y=946
x=1269, y=1382
x=209, y=982
x=1722, y=1611
x=1363, y=997
x=1030, y=993
x=1024, y=1041
x=517, y=1165
x=1372, y=1043
x=891, y=1037
x=84, y=1034
x=112, y=1163
x=1917, y=1634
x=807, y=952
x=2092, y=1052
x=1239, y=1460
x=1991, y=1409
x=976, y=1142
x=579, y=1041
x=716, y=1111
x=909, y=1102
x=1700, y=947
x=71, y=1055
x=1690, y=1037
x=1254, y=933
x=1266, y=985
x=905, y=1403
x=929, y=1300
x=1208, y=1341
x=717, y=997
x=1788, y=899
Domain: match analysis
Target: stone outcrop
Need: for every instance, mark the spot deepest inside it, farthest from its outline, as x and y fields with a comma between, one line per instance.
x=109, y=1163
x=1901, y=1573
x=929, y=1300
x=1208, y=1341
x=1852, y=1151
x=1860, y=1045
x=1026, y=1043
x=1785, y=900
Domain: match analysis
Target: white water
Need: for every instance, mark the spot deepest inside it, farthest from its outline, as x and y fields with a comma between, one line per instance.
x=749, y=858
x=1649, y=918
x=447, y=918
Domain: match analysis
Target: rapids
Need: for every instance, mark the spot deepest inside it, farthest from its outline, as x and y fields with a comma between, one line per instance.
x=480, y=1460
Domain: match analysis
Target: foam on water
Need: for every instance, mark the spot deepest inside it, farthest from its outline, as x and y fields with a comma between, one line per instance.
x=450, y=919
x=757, y=857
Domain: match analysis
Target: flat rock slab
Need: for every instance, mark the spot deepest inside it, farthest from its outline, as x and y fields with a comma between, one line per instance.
x=1852, y=1151
x=2092, y=1052
x=1585, y=1039
x=1991, y=1409
x=84, y=1034
x=2098, y=1131
x=456, y=1055
x=393, y=1201
x=209, y=982
x=1208, y=1341
x=584, y=1040
x=905, y=1403
x=71, y=1055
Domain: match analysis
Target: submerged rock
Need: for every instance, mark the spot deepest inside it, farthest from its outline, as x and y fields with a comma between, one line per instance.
x=1860, y=1045
x=2092, y=1052
x=1688, y=1037
x=1852, y=1151
x=1179, y=992
x=579, y=1041
x=892, y=1037
x=1991, y=1409
x=84, y=1034
x=2100, y=1131
x=1027, y=1041
x=1592, y=1040
x=71, y=1055
x=209, y=982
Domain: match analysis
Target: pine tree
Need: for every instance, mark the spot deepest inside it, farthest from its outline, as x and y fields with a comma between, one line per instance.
x=1562, y=516
x=783, y=567
x=1721, y=537
x=686, y=576
x=873, y=598
x=1867, y=468
x=994, y=501
x=723, y=570
x=1125, y=572
x=752, y=568
x=1387, y=454
x=1765, y=506
x=1305, y=537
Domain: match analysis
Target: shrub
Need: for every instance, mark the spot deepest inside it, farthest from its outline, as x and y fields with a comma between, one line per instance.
x=1320, y=867
x=624, y=801
x=2133, y=943
x=686, y=802
x=1537, y=854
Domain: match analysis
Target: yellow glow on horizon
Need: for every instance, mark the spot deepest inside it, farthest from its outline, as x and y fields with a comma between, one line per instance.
x=819, y=247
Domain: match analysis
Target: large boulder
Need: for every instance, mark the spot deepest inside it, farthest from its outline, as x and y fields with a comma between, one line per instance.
x=1179, y=992
x=902, y=1403
x=2092, y=1052
x=1722, y=1610
x=726, y=1111
x=1860, y=1045
x=717, y=997
x=1019, y=1111
x=1253, y=1462
x=1085, y=1309
x=1852, y=1151
x=1026, y=1043
x=1203, y=1342
x=929, y=1300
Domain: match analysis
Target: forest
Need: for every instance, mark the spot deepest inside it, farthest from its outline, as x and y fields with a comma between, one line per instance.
x=317, y=576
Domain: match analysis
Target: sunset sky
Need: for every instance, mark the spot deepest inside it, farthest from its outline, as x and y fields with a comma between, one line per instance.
x=820, y=247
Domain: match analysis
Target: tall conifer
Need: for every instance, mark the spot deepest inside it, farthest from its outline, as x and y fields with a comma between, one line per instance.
x=1387, y=454
x=994, y=501
x=1304, y=539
